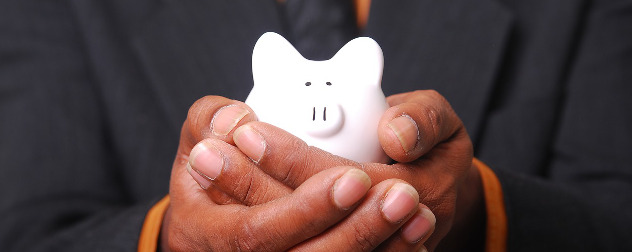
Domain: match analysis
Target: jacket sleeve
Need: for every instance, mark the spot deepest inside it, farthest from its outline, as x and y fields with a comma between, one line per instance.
x=584, y=203
x=61, y=187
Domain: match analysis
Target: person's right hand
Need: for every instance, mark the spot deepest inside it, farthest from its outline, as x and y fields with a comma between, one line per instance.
x=335, y=209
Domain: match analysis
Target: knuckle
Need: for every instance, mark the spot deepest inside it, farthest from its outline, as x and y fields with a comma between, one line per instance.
x=255, y=197
x=247, y=186
x=243, y=187
x=433, y=121
x=432, y=110
x=436, y=98
x=198, y=113
x=249, y=191
x=433, y=93
x=198, y=106
x=250, y=195
x=299, y=160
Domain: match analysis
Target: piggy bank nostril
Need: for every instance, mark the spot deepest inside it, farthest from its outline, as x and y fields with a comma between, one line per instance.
x=327, y=124
x=314, y=113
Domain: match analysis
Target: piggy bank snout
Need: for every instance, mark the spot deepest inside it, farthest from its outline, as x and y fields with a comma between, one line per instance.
x=323, y=120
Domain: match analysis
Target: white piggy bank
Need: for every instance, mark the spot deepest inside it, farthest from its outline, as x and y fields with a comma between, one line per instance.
x=334, y=105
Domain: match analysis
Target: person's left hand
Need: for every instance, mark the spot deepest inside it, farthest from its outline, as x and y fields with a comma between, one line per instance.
x=420, y=131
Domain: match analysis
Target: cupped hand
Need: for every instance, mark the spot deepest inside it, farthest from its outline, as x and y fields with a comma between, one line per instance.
x=334, y=208
x=420, y=131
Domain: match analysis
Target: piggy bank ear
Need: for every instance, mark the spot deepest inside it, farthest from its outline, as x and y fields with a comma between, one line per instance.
x=272, y=56
x=362, y=58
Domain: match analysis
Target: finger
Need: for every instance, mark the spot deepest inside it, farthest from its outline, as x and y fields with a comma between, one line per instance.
x=290, y=160
x=387, y=207
x=215, y=194
x=210, y=116
x=312, y=208
x=413, y=234
x=415, y=123
x=224, y=167
x=318, y=204
x=282, y=155
x=216, y=117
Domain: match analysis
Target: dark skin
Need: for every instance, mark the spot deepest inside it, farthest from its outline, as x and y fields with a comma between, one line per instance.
x=282, y=194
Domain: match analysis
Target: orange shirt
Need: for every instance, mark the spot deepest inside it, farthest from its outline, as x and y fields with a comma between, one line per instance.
x=496, y=233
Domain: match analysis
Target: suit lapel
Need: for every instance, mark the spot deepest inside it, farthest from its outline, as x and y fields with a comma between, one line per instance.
x=454, y=47
x=194, y=48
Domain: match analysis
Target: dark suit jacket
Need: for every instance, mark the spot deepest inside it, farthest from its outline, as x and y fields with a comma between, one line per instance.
x=93, y=93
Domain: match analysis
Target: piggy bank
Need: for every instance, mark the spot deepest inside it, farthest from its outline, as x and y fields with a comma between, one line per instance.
x=334, y=105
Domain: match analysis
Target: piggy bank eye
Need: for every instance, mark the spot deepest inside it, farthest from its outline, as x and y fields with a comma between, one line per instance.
x=328, y=83
x=308, y=84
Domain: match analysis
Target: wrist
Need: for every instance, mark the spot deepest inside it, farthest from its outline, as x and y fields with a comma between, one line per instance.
x=468, y=229
x=163, y=244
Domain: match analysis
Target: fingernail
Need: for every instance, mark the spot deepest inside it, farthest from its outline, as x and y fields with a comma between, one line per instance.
x=418, y=226
x=226, y=118
x=350, y=188
x=206, y=161
x=399, y=202
x=406, y=130
x=202, y=181
x=250, y=142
